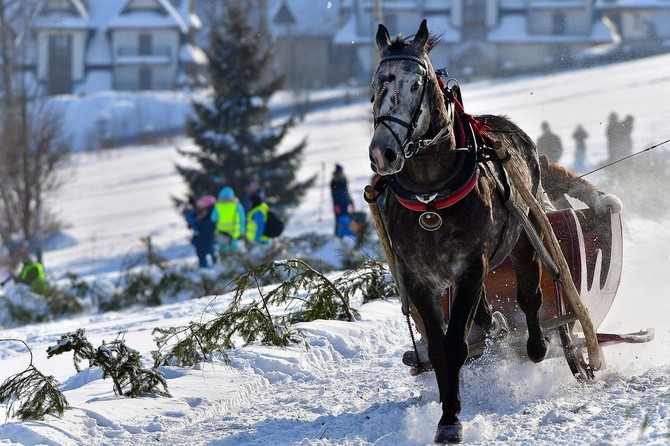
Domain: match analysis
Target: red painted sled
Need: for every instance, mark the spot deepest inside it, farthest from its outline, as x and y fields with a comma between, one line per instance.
x=592, y=245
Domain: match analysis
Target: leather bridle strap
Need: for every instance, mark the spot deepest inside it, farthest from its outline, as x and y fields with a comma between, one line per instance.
x=409, y=126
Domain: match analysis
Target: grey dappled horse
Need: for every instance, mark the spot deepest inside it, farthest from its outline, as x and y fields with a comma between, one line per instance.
x=445, y=212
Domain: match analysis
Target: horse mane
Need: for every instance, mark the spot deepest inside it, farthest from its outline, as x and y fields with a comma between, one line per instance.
x=400, y=43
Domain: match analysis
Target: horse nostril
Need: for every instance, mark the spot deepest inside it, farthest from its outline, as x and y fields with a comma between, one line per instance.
x=390, y=155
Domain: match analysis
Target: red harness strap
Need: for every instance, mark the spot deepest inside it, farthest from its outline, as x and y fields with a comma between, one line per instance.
x=453, y=199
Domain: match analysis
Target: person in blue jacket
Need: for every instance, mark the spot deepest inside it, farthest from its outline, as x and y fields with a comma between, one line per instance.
x=339, y=190
x=200, y=221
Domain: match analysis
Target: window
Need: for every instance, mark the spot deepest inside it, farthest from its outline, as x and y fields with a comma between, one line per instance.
x=474, y=20
x=145, y=44
x=145, y=79
x=59, y=64
x=558, y=24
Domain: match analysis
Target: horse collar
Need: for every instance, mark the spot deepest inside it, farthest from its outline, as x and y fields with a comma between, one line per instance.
x=461, y=180
x=428, y=200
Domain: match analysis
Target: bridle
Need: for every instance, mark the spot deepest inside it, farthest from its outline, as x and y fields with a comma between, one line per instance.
x=458, y=183
x=408, y=145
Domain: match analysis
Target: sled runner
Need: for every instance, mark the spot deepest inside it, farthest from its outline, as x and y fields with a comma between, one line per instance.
x=593, y=246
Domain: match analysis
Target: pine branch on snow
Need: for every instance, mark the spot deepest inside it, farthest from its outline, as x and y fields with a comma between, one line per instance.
x=299, y=294
x=117, y=361
x=36, y=394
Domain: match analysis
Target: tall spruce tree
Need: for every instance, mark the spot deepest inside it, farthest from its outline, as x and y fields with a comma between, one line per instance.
x=232, y=128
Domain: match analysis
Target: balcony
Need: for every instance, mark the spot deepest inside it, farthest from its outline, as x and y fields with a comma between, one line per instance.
x=134, y=55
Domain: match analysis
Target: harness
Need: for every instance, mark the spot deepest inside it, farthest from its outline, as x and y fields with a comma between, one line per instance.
x=473, y=147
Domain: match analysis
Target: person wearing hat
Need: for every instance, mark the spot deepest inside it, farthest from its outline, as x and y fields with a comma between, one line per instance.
x=339, y=190
x=230, y=219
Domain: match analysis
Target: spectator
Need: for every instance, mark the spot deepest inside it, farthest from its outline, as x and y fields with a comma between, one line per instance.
x=189, y=212
x=549, y=144
x=339, y=189
x=613, y=133
x=626, y=142
x=255, y=187
x=230, y=219
x=32, y=274
x=203, y=230
x=256, y=220
x=580, y=135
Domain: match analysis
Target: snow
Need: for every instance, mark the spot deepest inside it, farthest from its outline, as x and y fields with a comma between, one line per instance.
x=350, y=387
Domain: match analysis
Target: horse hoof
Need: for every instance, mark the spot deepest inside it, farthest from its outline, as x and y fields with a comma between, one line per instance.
x=449, y=434
x=499, y=327
x=537, y=351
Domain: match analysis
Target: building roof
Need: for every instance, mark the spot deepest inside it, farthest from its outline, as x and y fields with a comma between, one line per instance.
x=513, y=29
x=146, y=18
x=316, y=18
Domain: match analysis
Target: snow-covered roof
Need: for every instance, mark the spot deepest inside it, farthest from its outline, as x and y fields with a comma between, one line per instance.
x=148, y=19
x=557, y=4
x=347, y=34
x=635, y=4
x=192, y=54
x=513, y=28
x=63, y=20
x=309, y=18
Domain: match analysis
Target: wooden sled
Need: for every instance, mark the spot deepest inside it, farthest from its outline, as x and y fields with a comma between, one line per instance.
x=592, y=245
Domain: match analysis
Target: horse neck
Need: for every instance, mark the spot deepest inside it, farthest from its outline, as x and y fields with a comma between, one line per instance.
x=430, y=167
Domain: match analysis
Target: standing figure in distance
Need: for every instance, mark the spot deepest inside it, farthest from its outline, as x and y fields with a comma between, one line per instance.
x=549, y=144
x=203, y=230
x=626, y=142
x=339, y=190
x=255, y=187
x=613, y=133
x=580, y=135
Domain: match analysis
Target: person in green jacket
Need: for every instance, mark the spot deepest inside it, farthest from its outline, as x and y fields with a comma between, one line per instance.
x=256, y=220
x=32, y=274
x=230, y=219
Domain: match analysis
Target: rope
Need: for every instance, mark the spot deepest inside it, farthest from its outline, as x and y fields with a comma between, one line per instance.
x=411, y=335
x=624, y=158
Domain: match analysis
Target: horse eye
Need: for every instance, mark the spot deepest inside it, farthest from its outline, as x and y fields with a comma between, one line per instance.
x=372, y=99
x=415, y=86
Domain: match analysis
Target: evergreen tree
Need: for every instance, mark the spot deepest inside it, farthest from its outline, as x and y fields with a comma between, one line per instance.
x=232, y=128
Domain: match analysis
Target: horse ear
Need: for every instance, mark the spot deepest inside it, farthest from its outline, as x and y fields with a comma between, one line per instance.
x=421, y=36
x=383, y=37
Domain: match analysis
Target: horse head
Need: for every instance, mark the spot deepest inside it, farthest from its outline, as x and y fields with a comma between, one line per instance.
x=407, y=103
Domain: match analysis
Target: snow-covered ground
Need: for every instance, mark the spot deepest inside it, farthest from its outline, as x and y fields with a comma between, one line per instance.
x=350, y=387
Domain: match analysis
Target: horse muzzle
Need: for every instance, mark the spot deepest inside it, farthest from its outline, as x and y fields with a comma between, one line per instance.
x=385, y=159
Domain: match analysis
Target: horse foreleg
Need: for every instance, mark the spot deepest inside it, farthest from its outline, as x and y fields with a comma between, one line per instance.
x=468, y=291
x=429, y=307
x=529, y=296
